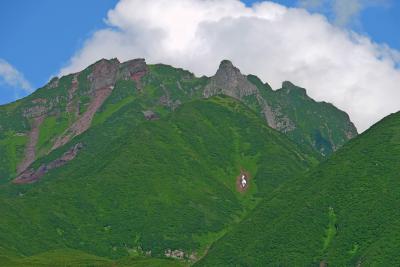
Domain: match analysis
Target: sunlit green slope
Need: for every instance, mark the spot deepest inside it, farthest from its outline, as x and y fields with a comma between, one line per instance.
x=143, y=188
x=345, y=212
x=32, y=127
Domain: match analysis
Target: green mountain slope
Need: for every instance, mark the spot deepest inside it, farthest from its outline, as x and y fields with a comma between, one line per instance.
x=165, y=187
x=316, y=125
x=343, y=213
x=70, y=257
x=66, y=107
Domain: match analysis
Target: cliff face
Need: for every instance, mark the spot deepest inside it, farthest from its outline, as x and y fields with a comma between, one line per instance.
x=290, y=110
x=68, y=106
x=61, y=110
x=229, y=81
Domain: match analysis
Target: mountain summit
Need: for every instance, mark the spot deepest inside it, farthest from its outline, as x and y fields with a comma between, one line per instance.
x=134, y=164
x=229, y=81
x=68, y=106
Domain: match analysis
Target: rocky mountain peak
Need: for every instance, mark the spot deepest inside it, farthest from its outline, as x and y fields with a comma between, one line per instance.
x=228, y=73
x=104, y=73
x=290, y=87
x=287, y=84
x=227, y=65
x=230, y=81
x=133, y=69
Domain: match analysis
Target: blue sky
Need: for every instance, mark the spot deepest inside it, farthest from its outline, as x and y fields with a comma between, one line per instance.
x=39, y=37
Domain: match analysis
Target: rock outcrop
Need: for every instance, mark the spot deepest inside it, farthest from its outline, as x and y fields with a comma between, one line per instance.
x=73, y=101
x=32, y=175
x=229, y=81
x=102, y=81
x=30, y=149
x=289, y=109
x=133, y=69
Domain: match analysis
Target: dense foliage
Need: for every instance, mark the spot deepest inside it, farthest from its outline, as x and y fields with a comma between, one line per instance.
x=161, y=184
x=313, y=125
x=343, y=213
x=142, y=186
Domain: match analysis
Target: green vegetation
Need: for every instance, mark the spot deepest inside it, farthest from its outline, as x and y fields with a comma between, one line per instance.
x=50, y=128
x=317, y=125
x=331, y=230
x=344, y=212
x=156, y=185
x=70, y=257
x=139, y=188
x=11, y=151
x=314, y=126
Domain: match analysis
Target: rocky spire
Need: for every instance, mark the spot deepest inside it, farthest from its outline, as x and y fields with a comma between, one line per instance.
x=229, y=81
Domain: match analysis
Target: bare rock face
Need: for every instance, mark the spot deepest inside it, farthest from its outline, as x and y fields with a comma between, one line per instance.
x=71, y=93
x=32, y=175
x=133, y=70
x=102, y=81
x=150, y=115
x=54, y=82
x=104, y=74
x=35, y=111
x=30, y=149
x=269, y=115
x=229, y=81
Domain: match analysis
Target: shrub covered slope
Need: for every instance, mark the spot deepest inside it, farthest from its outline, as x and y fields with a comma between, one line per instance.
x=343, y=213
x=164, y=184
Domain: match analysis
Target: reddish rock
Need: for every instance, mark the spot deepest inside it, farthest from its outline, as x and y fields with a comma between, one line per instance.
x=138, y=75
x=30, y=149
x=133, y=69
x=102, y=81
x=32, y=175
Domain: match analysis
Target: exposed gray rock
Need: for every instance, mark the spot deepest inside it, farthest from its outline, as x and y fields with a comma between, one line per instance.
x=175, y=254
x=229, y=81
x=104, y=74
x=150, y=115
x=53, y=83
x=35, y=111
x=269, y=114
x=133, y=69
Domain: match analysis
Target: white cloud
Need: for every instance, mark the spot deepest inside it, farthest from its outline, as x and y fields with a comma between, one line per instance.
x=269, y=40
x=13, y=77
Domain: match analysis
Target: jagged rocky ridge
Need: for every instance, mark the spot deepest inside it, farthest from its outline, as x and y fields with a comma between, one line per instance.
x=65, y=108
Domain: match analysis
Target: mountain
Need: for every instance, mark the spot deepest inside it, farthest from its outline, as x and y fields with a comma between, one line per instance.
x=316, y=125
x=165, y=187
x=344, y=212
x=66, y=107
x=70, y=257
x=148, y=165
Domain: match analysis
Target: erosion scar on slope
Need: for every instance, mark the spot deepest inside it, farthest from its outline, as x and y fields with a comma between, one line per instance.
x=243, y=181
x=71, y=93
x=83, y=123
x=30, y=149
